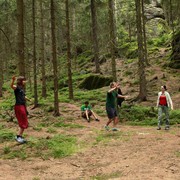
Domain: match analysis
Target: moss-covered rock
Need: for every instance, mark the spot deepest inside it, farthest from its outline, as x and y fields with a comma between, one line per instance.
x=175, y=56
x=95, y=82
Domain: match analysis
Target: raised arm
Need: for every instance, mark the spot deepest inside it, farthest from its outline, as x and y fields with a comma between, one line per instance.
x=12, y=83
x=112, y=89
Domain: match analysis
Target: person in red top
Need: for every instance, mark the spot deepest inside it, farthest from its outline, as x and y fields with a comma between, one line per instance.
x=163, y=103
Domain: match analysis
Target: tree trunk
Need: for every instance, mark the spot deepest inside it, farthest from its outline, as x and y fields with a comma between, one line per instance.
x=143, y=92
x=20, y=51
x=43, y=93
x=1, y=66
x=68, y=51
x=54, y=60
x=171, y=15
x=94, y=33
x=144, y=34
x=34, y=55
x=112, y=38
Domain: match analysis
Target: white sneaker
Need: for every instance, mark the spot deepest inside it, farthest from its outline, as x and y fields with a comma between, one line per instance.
x=20, y=140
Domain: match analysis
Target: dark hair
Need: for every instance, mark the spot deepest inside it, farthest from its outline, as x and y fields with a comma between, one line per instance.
x=165, y=87
x=86, y=102
x=20, y=80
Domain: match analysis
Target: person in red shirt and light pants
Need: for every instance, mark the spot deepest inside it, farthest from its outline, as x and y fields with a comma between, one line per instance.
x=164, y=101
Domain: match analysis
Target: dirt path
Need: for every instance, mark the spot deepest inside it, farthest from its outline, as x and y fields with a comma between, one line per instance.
x=133, y=153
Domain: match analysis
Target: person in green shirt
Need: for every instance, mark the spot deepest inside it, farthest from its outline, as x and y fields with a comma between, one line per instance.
x=112, y=95
x=86, y=111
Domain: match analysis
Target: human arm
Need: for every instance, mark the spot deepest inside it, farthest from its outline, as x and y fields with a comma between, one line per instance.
x=12, y=83
x=122, y=96
x=27, y=98
x=157, y=103
x=112, y=89
x=170, y=101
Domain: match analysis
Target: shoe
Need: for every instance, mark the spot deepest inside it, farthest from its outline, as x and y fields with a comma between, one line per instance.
x=20, y=140
x=114, y=129
x=106, y=127
x=159, y=128
x=96, y=119
x=167, y=128
x=88, y=120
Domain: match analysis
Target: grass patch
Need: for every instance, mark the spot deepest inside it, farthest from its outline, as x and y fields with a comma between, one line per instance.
x=67, y=125
x=57, y=147
x=105, y=137
x=6, y=135
x=51, y=130
x=177, y=153
x=37, y=128
x=116, y=174
x=14, y=152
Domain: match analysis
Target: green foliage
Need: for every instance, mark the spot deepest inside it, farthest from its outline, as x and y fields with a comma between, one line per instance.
x=129, y=50
x=140, y=115
x=160, y=41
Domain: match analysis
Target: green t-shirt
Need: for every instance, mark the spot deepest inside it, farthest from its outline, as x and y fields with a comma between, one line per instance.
x=84, y=107
x=111, y=99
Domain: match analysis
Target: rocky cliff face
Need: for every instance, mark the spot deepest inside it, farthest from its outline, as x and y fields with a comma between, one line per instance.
x=154, y=10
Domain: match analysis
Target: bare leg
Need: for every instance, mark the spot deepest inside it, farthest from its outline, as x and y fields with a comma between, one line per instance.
x=21, y=130
x=109, y=121
x=94, y=116
x=115, y=122
x=87, y=117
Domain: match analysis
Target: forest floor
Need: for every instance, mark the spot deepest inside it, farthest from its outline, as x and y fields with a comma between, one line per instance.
x=134, y=153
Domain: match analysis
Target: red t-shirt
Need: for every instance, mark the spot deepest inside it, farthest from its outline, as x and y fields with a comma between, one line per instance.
x=162, y=100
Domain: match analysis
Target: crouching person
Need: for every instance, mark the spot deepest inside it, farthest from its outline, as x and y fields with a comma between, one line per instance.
x=87, y=112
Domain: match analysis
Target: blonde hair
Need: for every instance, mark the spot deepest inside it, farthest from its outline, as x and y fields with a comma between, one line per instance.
x=112, y=84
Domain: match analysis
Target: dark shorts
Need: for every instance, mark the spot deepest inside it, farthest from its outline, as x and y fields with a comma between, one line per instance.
x=111, y=112
x=21, y=115
x=84, y=114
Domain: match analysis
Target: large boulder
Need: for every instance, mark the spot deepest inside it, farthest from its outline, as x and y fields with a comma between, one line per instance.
x=175, y=55
x=95, y=82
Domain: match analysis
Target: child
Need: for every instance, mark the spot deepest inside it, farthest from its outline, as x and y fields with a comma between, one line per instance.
x=86, y=111
x=20, y=106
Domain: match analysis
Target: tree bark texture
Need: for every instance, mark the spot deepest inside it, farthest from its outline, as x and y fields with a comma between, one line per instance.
x=112, y=38
x=54, y=60
x=143, y=92
x=68, y=40
x=1, y=66
x=20, y=51
x=43, y=72
x=94, y=35
x=34, y=55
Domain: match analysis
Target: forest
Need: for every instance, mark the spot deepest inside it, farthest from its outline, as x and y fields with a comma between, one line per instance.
x=69, y=51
